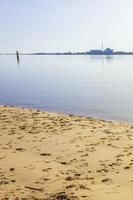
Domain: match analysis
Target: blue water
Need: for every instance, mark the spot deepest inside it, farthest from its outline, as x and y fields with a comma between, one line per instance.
x=87, y=85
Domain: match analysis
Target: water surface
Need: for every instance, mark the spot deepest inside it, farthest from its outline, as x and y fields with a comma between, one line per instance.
x=86, y=85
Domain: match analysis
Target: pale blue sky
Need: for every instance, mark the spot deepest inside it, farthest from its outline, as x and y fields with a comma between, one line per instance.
x=63, y=25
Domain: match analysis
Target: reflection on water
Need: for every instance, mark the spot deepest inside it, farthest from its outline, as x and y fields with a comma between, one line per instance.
x=109, y=58
x=70, y=84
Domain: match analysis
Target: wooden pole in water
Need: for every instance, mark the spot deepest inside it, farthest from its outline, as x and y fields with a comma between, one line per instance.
x=17, y=54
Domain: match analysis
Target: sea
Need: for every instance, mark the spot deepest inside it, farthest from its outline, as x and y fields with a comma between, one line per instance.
x=96, y=86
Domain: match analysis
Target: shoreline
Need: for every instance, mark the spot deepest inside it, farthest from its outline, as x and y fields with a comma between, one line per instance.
x=69, y=54
x=46, y=155
x=69, y=113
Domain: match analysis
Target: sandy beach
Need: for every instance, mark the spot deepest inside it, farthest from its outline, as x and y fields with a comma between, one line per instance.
x=64, y=157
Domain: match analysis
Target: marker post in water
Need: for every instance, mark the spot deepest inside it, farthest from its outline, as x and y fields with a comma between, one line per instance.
x=17, y=54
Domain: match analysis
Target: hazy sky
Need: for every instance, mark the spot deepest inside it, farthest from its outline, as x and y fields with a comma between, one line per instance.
x=63, y=25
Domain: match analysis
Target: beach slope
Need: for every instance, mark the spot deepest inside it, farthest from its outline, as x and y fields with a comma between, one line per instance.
x=63, y=157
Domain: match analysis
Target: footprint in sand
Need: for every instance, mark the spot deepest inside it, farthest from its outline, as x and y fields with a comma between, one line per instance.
x=20, y=149
x=107, y=180
x=127, y=167
x=45, y=154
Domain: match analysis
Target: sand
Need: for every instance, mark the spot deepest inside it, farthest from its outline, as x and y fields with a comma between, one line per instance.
x=64, y=157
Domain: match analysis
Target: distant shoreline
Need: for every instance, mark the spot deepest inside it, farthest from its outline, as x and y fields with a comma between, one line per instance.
x=67, y=54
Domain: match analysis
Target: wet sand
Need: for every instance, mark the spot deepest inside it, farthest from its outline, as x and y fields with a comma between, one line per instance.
x=64, y=157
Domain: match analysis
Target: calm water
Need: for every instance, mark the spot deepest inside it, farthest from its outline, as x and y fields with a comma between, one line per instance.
x=86, y=85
